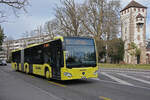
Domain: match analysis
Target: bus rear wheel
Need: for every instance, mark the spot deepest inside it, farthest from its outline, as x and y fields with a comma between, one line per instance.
x=27, y=70
x=16, y=67
x=47, y=74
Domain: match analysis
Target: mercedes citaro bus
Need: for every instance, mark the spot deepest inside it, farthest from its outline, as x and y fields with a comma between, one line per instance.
x=64, y=58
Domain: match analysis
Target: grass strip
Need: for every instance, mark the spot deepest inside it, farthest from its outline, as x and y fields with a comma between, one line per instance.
x=125, y=66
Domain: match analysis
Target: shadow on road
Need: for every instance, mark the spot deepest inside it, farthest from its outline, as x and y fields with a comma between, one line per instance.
x=66, y=82
x=72, y=82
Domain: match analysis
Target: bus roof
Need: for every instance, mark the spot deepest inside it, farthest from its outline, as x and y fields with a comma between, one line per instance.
x=55, y=38
x=32, y=45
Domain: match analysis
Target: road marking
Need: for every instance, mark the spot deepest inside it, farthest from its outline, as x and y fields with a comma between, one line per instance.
x=104, y=98
x=117, y=79
x=61, y=85
x=137, y=79
x=123, y=84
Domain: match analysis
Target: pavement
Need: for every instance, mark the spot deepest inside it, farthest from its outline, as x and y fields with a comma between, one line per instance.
x=110, y=85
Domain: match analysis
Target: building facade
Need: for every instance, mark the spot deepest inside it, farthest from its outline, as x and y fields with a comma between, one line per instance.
x=133, y=21
x=148, y=52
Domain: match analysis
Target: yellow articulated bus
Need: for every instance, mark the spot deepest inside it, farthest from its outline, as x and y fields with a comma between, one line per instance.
x=64, y=58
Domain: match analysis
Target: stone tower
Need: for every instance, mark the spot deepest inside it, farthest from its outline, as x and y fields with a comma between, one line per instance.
x=133, y=28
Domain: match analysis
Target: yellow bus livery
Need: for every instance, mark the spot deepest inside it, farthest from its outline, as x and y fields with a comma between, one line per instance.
x=64, y=58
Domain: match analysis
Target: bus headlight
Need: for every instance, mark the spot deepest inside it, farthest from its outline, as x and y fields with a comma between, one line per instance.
x=96, y=72
x=67, y=74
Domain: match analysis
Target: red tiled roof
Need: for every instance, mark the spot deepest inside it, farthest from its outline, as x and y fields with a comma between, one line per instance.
x=133, y=4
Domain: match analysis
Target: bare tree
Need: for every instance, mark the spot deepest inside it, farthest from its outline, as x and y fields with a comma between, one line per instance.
x=69, y=18
x=111, y=25
x=51, y=28
x=8, y=43
x=39, y=31
x=2, y=17
x=25, y=34
x=100, y=17
x=14, y=5
x=2, y=36
x=92, y=12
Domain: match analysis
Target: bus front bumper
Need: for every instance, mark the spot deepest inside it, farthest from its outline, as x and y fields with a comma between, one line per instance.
x=79, y=73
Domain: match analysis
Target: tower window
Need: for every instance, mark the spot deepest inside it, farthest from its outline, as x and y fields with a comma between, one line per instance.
x=143, y=9
x=139, y=26
x=128, y=10
x=134, y=9
x=139, y=9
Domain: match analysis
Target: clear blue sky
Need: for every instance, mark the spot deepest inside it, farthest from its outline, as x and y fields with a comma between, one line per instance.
x=41, y=11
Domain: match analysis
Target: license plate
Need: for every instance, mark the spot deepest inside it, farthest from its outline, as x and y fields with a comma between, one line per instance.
x=83, y=77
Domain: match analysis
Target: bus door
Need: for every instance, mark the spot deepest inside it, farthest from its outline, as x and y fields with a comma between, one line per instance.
x=56, y=62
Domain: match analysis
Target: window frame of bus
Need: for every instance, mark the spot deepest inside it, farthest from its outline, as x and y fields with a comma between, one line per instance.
x=65, y=44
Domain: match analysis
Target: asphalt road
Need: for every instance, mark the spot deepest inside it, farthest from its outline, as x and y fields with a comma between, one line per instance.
x=109, y=86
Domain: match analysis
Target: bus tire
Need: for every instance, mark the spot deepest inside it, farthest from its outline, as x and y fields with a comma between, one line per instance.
x=47, y=73
x=27, y=69
x=16, y=67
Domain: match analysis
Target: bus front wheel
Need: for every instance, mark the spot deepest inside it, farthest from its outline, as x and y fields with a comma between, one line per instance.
x=47, y=74
x=15, y=67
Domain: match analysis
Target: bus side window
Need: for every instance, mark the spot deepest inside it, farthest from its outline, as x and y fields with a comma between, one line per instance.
x=13, y=57
x=38, y=56
x=18, y=57
x=47, y=55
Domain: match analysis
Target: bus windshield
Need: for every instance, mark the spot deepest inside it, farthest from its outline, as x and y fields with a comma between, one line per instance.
x=80, y=52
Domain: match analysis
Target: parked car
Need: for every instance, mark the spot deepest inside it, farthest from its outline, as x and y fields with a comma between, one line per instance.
x=3, y=62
